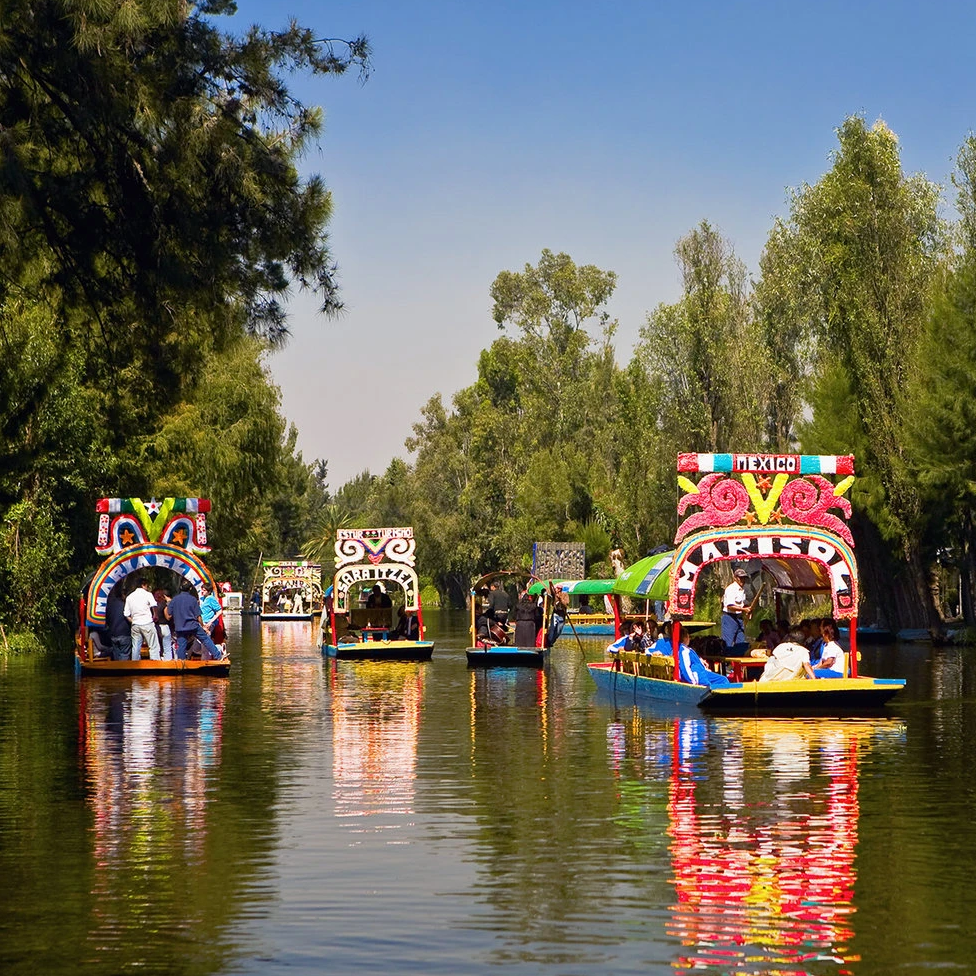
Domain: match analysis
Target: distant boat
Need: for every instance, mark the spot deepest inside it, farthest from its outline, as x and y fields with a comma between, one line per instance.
x=369, y=561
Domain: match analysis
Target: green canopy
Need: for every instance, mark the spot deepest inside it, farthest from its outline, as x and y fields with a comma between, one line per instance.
x=590, y=587
x=649, y=578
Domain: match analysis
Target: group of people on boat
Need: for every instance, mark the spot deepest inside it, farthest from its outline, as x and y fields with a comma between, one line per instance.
x=286, y=601
x=810, y=650
x=180, y=626
x=493, y=610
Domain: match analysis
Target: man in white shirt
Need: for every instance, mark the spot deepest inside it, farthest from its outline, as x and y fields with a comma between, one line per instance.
x=138, y=611
x=734, y=609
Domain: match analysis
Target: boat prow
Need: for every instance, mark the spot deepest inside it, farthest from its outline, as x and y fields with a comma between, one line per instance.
x=194, y=666
x=623, y=685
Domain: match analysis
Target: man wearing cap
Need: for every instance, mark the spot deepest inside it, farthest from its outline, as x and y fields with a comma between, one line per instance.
x=734, y=608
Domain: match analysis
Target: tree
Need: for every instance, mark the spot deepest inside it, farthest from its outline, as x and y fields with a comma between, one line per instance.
x=152, y=222
x=941, y=408
x=550, y=304
x=874, y=241
x=705, y=348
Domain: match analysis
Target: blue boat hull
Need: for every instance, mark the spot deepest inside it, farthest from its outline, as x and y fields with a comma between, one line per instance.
x=841, y=695
x=506, y=657
x=628, y=687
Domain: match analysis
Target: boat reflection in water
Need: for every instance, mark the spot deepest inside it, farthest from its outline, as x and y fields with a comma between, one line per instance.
x=490, y=688
x=376, y=707
x=149, y=746
x=292, y=684
x=150, y=750
x=763, y=827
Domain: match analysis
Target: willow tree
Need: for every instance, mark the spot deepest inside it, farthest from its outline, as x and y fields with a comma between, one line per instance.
x=705, y=350
x=871, y=240
x=942, y=406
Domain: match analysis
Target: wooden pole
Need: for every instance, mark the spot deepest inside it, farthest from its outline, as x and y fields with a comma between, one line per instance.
x=675, y=645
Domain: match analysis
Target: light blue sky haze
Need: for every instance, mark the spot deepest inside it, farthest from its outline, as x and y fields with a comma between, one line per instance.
x=491, y=130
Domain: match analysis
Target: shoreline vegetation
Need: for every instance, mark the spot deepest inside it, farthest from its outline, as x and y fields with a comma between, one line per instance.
x=152, y=221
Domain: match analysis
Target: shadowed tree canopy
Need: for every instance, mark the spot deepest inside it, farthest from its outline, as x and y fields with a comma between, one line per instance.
x=147, y=165
x=152, y=222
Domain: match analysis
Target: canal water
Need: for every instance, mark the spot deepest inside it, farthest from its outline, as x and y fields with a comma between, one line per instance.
x=305, y=816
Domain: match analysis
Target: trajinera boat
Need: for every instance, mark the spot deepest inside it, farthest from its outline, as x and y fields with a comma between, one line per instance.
x=292, y=589
x=601, y=620
x=517, y=641
x=770, y=515
x=162, y=541
x=360, y=619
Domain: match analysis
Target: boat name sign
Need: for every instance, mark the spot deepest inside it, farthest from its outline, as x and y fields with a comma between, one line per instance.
x=833, y=555
x=388, y=572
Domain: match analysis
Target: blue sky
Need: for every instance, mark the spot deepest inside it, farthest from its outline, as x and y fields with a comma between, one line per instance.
x=489, y=131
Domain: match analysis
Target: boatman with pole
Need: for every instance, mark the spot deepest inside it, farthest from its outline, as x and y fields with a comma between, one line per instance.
x=734, y=609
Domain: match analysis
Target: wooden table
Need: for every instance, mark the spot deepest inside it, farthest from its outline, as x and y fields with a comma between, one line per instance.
x=375, y=633
x=741, y=666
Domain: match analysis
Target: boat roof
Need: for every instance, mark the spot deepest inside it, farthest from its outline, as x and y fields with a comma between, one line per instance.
x=587, y=587
x=522, y=574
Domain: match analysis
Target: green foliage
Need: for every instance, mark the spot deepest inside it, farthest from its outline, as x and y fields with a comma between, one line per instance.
x=707, y=352
x=33, y=556
x=152, y=221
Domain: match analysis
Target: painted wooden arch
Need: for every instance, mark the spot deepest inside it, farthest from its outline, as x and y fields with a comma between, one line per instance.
x=132, y=559
x=369, y=574
x=777, y=548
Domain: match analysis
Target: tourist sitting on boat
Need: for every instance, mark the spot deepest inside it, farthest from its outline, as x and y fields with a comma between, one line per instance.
x=734, y=609
x=407, y=628
x=489, y=633
x=833, y=660
x=584, y=605
x=378, y=598
x=528, y=620
x=787, y=660
x=634, y=638
x=691, y=668
x=768, y=634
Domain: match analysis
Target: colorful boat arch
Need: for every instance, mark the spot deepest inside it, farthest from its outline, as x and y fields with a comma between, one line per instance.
x=131, y=559
x=775, y=512
x=369, y=574
x=826, y=563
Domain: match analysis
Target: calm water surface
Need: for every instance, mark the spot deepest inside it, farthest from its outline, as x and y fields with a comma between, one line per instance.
x=312, y=817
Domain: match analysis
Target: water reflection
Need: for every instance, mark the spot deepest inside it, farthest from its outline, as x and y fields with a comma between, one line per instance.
x=292, y=684
x=376, y=708
x=150, y=749
x=493, y=692
x=763, y=826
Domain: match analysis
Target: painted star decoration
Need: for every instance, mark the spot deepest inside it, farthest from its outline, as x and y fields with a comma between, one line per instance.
x=127, y=537
x=153, y=507
x=179, y=537
x=763, y=484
